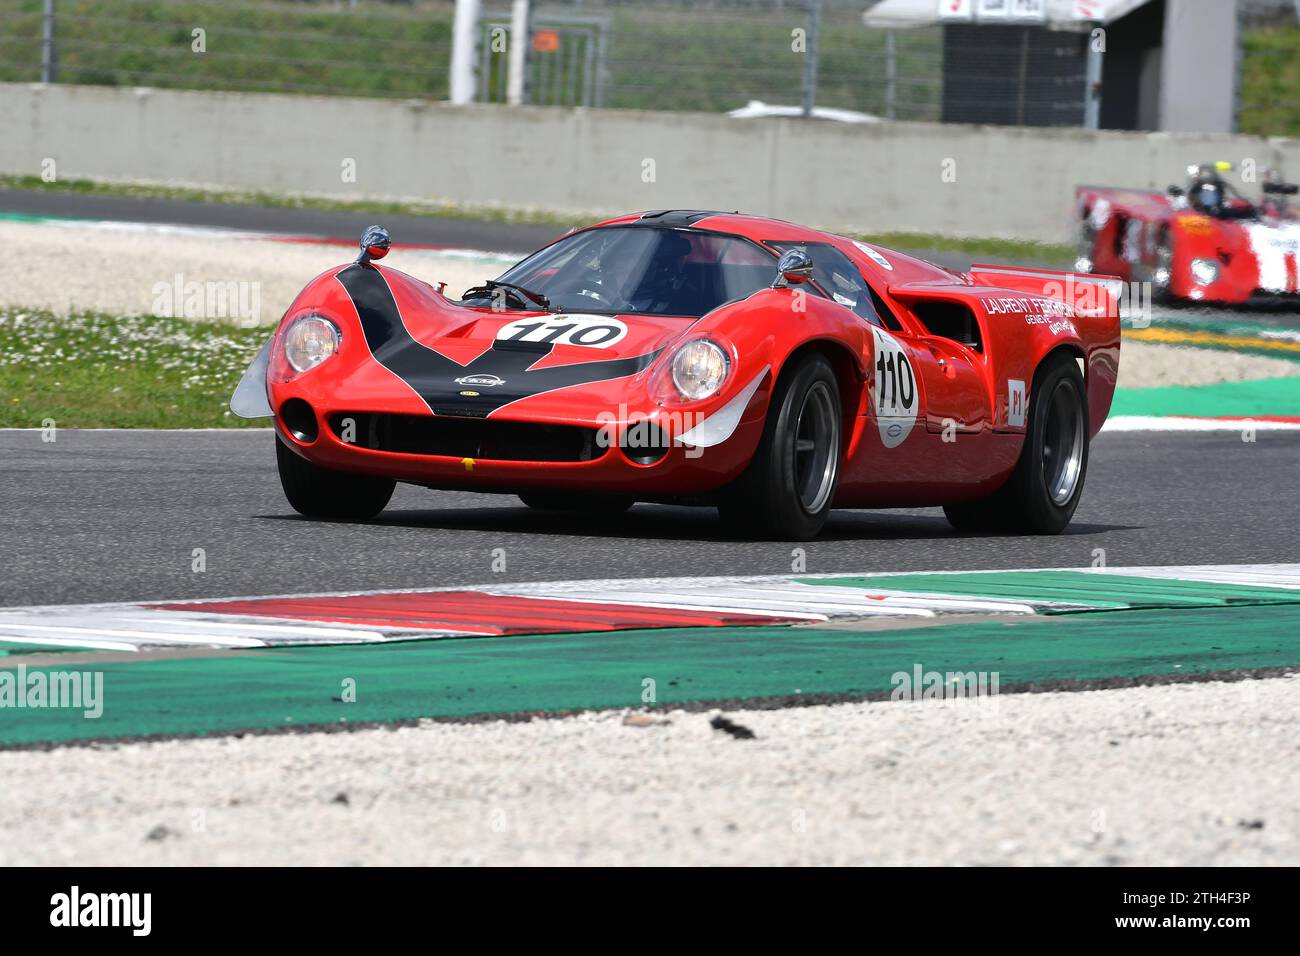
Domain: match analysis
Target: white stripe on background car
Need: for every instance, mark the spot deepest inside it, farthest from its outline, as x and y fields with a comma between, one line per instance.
x=1273, y=245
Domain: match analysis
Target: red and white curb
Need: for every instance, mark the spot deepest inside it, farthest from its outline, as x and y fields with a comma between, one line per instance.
x=554, y=607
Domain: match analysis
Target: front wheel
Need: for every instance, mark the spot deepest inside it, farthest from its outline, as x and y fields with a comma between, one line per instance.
x=1044, y=489
x=786, y=491
x=1162, y=271
x=321, y=493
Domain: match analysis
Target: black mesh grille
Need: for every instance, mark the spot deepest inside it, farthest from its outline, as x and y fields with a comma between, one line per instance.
x=468, y=438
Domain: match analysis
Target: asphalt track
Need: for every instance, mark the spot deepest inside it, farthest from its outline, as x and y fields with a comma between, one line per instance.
x=457, y=233
x=117, y=516
x=326, y=224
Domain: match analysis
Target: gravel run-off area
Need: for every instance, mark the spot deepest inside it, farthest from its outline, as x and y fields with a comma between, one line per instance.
x=116, y=268
x=1181, y=774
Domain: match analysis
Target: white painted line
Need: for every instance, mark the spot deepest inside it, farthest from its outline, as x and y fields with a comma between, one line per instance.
x=1174, y=423
x=146, y=637
x=722, y=601
x=1285, y=576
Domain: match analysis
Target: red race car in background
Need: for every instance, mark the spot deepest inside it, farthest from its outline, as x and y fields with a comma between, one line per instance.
x=771, y=370
x=1204, y=243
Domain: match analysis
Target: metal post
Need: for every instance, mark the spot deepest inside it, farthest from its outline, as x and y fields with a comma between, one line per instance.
x=891, y=75
x=464, y=49
x=589, y=71
x=1024, y=75
x=810, y=66
x=1092, y=91
x=602, y=64
x=521, y=41
x=49, y=62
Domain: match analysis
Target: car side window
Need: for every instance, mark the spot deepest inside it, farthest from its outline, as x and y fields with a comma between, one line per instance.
x=837, y=277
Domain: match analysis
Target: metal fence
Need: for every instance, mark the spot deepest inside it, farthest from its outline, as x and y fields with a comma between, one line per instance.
x=724, y=55
x=714, y=56
x=704, y=55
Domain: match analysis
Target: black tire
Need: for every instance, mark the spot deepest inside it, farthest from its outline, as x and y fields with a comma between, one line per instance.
x=575, y=502
x=787, y=489
x=1160, y=287
x=321, y=493
x=1044, y=489
x=1086, y=245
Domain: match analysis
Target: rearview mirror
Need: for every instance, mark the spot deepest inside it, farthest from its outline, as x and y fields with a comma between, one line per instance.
x=795, y=267
x=1281, y=189
x=375, y=243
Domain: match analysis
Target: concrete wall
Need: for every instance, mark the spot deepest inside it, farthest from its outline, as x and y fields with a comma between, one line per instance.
x=1010, y=183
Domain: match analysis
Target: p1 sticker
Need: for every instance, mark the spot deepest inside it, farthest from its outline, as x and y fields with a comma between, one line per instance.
x=1015, y=403
x=895, y=396
x=590, y=331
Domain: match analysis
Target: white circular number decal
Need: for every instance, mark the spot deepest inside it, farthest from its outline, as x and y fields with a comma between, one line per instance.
x=589, y=331
x=896, y=395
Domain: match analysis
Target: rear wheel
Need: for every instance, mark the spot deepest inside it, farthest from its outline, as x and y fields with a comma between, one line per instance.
x=573, y=501
x=787, y=489
x=1087, y=244
x=321, y=493
x=1162, y=271
x=1044, y=489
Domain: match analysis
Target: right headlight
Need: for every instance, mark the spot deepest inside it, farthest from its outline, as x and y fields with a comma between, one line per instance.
x=699, y=369
x=1205, y=271
x=309, y=341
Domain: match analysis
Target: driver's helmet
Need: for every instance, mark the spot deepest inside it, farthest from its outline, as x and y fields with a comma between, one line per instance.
x=1206, y=195
x=669, y=256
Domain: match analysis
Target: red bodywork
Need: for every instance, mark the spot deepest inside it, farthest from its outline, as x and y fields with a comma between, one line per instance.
x=971, y=343
x=1257, y=252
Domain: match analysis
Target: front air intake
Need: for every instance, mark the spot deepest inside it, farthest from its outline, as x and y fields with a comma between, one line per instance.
x=467, y=437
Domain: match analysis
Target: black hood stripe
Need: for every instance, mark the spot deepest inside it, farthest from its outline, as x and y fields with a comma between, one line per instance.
x=433, y=375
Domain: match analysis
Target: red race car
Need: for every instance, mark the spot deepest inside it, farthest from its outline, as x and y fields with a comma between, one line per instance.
x=768, y=369
x=1204, y=243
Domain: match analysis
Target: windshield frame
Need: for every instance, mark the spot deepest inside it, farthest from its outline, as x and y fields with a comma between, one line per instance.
x=875, y=318
x=596, y=308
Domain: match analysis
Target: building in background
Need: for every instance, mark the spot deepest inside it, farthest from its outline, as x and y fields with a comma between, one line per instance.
x=1114, y=64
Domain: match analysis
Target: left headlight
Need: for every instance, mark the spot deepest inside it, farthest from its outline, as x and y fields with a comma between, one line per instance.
x=309, y=341
x=699, y=369
x=1205, y=271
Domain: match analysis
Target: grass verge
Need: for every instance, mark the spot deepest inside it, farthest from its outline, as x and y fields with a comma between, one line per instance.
x=100, y=371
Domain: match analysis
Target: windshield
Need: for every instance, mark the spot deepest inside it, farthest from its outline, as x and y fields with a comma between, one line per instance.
x=838, y=276
x=654, y=270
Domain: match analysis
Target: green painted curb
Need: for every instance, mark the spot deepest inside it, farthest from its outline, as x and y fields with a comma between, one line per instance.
x=1254, y=399
x=279, y=688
